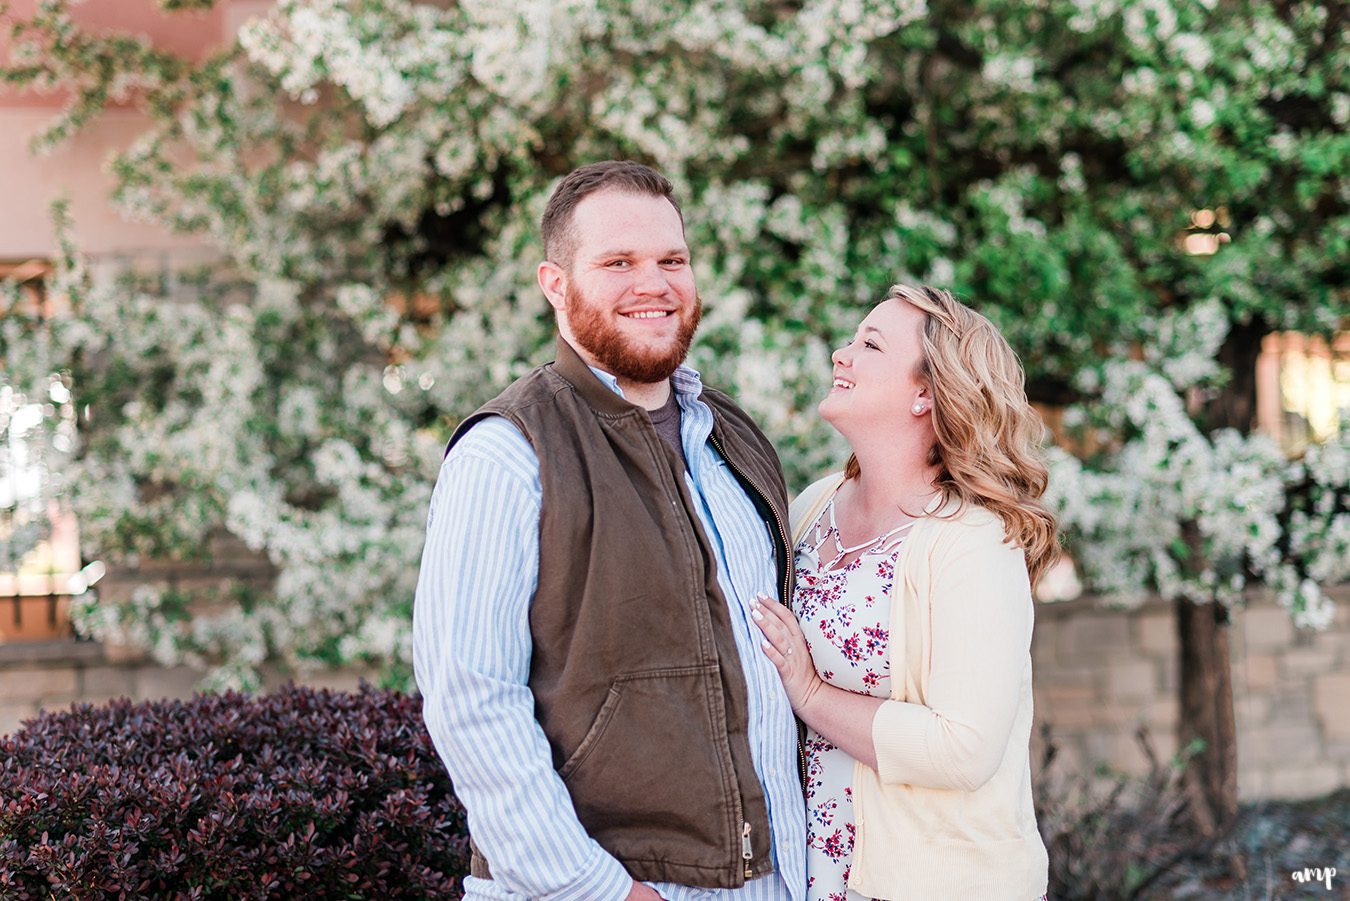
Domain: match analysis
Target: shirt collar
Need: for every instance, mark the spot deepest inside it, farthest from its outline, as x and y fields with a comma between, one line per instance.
x=687, y=382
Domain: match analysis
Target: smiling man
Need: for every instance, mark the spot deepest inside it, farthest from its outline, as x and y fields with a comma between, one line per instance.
x=582, y=632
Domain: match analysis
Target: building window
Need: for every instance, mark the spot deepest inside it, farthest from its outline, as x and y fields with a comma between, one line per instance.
x=1303, y=388
x=39, y=543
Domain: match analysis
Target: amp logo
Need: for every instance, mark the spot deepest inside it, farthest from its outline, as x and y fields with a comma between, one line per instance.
x=1319, y=875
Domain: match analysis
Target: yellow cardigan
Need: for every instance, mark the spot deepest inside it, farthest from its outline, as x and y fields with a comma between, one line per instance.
x=948, y=811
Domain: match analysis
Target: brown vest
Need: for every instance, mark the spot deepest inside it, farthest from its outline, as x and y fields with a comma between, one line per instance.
x=636, y=678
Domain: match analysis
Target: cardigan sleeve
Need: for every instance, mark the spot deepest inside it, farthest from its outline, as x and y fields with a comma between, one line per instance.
x=980, y=617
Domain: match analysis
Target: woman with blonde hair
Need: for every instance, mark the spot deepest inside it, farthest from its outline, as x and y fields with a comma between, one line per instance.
x=908, y=659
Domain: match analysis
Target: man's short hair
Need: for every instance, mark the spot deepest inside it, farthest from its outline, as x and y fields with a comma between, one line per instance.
x=560, y=239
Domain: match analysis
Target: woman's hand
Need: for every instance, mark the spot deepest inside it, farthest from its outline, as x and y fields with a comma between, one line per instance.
x=643, y=892
x=785, y=645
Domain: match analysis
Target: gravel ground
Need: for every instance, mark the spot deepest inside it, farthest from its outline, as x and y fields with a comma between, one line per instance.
x=1273, y=839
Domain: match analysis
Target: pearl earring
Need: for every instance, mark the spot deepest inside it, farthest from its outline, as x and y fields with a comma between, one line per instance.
x=918, y=408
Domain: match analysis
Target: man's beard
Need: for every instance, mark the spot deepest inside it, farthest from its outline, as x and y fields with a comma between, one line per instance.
x=620, y=355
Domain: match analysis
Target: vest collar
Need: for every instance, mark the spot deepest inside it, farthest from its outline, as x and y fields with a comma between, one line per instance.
x=599, y=396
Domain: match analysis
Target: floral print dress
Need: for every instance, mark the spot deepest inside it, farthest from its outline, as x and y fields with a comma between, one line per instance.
x=845, y=612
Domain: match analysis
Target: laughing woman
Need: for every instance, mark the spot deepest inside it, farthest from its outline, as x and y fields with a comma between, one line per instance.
x=911, y=663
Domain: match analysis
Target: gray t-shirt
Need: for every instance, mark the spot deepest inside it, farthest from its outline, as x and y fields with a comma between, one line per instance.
x=667, y=422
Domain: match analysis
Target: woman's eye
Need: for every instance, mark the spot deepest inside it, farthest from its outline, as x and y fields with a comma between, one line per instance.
x=872, y=344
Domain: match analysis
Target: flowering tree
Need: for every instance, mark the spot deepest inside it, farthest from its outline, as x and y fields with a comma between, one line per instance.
x=374, y=171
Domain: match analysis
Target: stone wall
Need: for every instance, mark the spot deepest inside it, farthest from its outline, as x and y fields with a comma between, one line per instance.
x=1100, y=673
x=53, y=675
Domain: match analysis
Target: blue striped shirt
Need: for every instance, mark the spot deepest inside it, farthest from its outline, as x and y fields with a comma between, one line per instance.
x=471, y=655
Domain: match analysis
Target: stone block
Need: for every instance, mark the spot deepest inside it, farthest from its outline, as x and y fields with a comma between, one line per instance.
x=1337, y=748
x=117, y=653
x=1266, y=628
x=1156, y=633
x=1077, y=677
x=1251, y=710
x=339, y=680
x=1069, y=717
x=1044, y=637
x=1169, y=670
x=1253, y=783
x=1053, y=695
x=105, y=682
x=1281, y=745
x=1291, y=704
x=12, y=716
x=155, y=682
x=1160, y=713
x=34, y=684
x=1131, y=680
x=1331, y=704
x=1300, y=663
x=1310, y=781
x=1258, y=671
x=1090, y=637
x=1333, y=642
x=1115, y=713
x=1065, y=706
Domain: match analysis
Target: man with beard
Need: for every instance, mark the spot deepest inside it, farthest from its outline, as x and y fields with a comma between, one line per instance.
x=582, y=634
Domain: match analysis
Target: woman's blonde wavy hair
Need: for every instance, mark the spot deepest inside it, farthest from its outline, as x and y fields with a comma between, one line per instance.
x=988, y=435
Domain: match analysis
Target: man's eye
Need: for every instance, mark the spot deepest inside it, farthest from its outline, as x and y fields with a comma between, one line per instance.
x=673, y=261
x=617, y=264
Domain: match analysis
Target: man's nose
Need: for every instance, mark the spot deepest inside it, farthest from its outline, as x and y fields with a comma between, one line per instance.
x=649, y=279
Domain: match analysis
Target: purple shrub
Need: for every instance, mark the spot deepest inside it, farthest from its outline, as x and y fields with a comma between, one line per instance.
x=296, y=794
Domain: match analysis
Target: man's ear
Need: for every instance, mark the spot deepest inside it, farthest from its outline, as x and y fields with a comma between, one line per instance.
x=553, y=282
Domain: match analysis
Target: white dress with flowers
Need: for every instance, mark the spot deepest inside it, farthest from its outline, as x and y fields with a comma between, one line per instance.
x=845, y=612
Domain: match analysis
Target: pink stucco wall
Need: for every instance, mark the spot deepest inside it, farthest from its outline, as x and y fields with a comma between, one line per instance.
x=77, y=170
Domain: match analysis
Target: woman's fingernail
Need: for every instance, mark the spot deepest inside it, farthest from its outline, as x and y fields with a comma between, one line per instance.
x=756, y=614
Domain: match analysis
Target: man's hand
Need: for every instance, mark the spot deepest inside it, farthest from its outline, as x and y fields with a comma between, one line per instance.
x=642, y=892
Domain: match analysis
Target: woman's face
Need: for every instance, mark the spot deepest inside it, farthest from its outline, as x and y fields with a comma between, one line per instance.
x=874, y=374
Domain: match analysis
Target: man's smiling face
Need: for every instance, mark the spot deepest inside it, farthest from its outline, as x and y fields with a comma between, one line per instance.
x=631, y=307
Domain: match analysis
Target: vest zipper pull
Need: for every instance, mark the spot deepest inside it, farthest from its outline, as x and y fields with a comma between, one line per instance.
x=746, y=852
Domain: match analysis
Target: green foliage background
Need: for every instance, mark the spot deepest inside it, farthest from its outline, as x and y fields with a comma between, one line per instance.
x=1043, y=159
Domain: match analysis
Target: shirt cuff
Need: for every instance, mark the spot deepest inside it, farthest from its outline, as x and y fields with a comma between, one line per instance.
x=604, y=879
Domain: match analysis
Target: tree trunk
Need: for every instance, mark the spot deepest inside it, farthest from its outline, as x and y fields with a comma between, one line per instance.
x=1206, y=713
x=1206, y=702
x=1235, y=406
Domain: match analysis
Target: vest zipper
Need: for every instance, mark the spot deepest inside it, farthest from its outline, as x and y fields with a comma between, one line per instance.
x=787, y=575
x=777, y=521
x=747, y=854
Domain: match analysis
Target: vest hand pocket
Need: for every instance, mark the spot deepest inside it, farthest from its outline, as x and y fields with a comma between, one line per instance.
x=637, y=780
